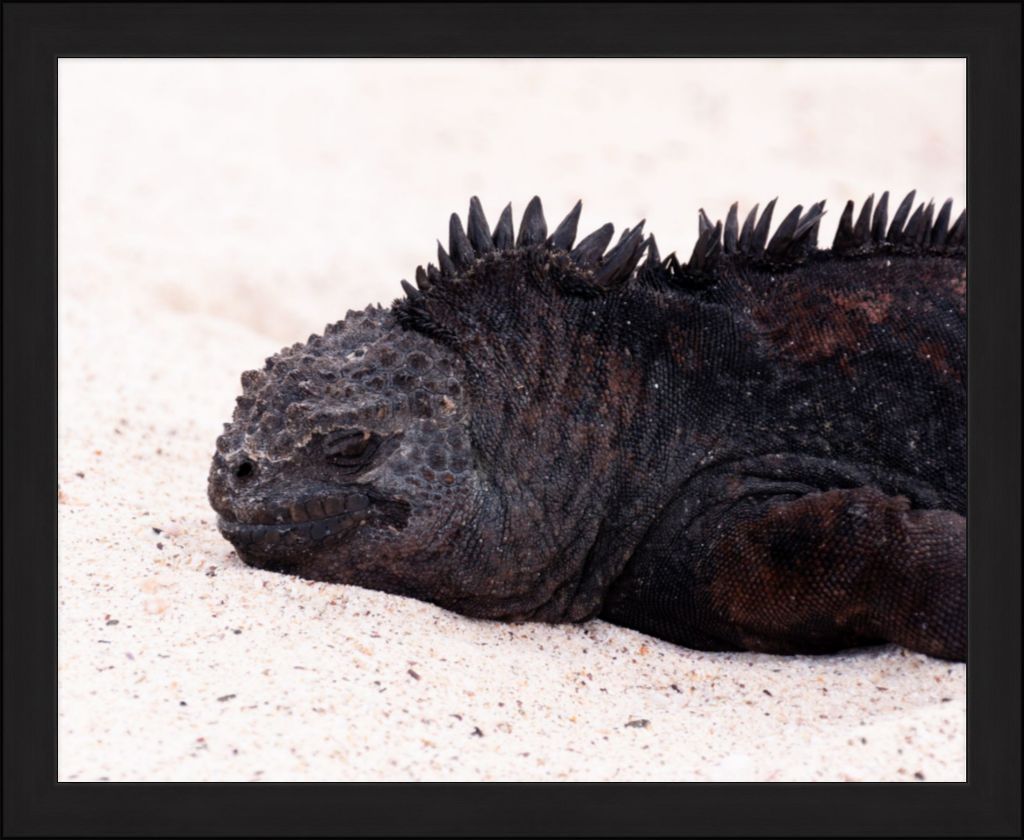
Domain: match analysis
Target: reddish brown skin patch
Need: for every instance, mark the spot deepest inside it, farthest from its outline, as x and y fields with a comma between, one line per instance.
x=748, y=580
x=874, y=306
x=818, y=326
x=683, y=348
x=624, y=383
x=803, y=334
x=935, y=355
x=838, y=589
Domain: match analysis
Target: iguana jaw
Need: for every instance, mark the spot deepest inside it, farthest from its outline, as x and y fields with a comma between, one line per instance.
x=311, y=523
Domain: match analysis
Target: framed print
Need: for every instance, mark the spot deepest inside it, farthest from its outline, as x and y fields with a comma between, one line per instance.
x=615, y=473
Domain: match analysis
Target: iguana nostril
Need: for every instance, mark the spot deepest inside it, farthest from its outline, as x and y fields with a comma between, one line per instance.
x=245, y=469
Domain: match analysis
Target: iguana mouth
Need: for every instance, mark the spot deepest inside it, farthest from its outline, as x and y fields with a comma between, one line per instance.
x=301, y=524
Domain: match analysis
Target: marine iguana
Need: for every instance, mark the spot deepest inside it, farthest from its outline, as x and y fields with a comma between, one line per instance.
x=762, y=448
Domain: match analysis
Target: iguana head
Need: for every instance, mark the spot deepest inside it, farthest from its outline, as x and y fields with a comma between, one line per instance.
x=415, y=450
x=348, y=457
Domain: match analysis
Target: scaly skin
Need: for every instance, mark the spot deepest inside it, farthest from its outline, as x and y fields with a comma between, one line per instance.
x=762, y=449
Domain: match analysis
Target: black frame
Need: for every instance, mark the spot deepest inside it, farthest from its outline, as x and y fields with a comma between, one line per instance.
x=35, y=34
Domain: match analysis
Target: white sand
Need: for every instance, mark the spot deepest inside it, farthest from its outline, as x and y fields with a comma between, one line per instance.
x=211, y=212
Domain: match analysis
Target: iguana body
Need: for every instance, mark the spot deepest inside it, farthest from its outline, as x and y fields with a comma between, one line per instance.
x=761, y=449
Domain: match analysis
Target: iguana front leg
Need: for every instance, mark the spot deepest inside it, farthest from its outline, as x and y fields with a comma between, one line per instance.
x=813, y=573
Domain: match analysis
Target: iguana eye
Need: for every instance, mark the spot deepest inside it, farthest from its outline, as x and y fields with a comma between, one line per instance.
x=350, y=447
